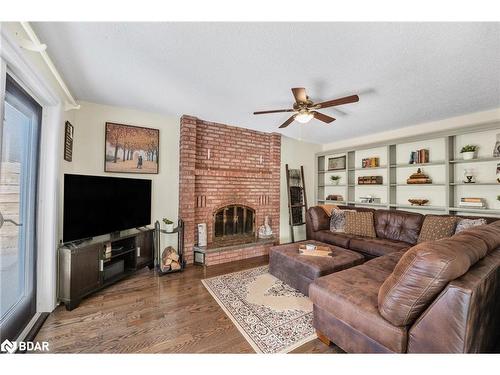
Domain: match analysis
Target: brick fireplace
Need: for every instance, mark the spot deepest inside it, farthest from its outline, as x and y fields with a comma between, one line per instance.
x=229, y=179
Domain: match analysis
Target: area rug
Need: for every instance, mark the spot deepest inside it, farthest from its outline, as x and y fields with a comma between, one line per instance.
x=272, y=316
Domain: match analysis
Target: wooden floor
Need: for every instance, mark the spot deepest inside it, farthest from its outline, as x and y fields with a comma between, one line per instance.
x=148, y=314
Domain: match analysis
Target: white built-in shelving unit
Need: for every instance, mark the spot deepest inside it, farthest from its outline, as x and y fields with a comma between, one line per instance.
x=445, y=168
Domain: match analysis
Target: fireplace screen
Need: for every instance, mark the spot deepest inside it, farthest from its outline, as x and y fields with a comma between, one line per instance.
x=234, y=220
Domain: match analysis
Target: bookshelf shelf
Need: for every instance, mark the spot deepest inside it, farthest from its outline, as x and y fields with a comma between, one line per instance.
x=369, y=168
x=419, y=185
x=445, y=166
x=410, y=207
x=475, y=184
x=475, y=210
x=417, y=164
x=478, y=160
x=368, y=204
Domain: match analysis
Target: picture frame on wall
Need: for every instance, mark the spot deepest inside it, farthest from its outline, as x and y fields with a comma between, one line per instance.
x=336, y=163
x=68, y=141
x=131, y=149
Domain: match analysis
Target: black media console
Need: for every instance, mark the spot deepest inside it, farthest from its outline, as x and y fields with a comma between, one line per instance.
x=97, y=263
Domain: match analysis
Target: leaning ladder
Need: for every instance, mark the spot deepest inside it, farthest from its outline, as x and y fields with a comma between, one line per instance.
x=297, y=199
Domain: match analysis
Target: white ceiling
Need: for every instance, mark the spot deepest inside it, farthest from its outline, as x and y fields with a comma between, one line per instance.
x=404, y=73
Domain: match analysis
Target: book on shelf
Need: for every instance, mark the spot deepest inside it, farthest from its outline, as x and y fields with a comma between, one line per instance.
x=419, y=156
x=476, y=200
x=472, y=203
x=419, y=181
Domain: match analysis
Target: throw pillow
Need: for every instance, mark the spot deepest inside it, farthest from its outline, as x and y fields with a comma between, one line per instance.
x=337, y=220
x=469, y=223
x=359, y=223
x=437, y=227
x=328, y=208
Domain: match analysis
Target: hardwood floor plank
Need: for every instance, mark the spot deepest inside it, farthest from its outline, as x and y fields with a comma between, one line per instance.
x=149, y=314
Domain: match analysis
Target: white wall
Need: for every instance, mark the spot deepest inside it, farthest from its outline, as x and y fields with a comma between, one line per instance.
x=296, y=153
x=413, y=130
x=33, y=74
x=88, y=152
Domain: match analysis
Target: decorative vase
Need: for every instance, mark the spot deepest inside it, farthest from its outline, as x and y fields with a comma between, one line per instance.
x=469, y=155
x=202, y=234
x=265, y=230
x=468, y=177
x=335, y=182
x=169, y=228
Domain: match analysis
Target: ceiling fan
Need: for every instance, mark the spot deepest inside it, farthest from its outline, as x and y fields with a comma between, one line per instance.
x=305, y=108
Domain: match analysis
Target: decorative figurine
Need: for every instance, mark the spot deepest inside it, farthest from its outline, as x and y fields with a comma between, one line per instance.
x=265, y=230
x=469, y=177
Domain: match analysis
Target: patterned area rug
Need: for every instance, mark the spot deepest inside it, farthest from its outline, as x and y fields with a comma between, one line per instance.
x=272, y=316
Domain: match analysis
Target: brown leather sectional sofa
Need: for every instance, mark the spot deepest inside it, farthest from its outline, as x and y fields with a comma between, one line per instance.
x=432, y=297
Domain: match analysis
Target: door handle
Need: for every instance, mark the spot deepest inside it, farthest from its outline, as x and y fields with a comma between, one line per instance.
x=2, y=221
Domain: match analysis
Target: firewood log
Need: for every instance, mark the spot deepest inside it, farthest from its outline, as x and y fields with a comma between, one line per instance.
x=174, y=256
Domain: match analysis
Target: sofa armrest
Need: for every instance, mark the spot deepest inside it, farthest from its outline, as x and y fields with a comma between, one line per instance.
x=317, y=219
x=464, y=317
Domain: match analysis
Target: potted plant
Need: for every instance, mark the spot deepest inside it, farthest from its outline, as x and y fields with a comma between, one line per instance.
x=169, y=225
x=469, y=152
x=335, y=179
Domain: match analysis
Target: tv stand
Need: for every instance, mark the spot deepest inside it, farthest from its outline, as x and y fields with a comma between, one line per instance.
x=86, y=267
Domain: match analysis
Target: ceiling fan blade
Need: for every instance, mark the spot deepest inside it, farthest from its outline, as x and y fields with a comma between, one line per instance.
x=340, y=101
x=300, y=94
x=322, y=117
x=273, y=111
x=288, y=122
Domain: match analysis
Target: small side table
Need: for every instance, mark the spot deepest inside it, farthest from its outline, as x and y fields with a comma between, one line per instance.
x=179, y=232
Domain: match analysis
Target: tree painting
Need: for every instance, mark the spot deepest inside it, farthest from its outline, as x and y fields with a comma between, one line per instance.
x=131, y=149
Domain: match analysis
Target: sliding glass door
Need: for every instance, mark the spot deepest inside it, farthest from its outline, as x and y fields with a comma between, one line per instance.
x=19, y=135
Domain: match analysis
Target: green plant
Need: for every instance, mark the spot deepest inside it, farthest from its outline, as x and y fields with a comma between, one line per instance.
x=334, y=178
x=167, y=221
x=469, y=148
x=498, y=197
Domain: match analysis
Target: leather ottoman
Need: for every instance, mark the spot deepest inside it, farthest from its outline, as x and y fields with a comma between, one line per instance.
x=298, y=271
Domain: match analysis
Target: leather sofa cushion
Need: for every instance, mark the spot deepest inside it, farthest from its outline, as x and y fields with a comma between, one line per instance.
x=398, y=225
x=351, y=296
x=423, y=272
x=436, y=227
x=359, y=223
x=337, y=239
x=377, y=246
x=319, y=220
x=488, y=233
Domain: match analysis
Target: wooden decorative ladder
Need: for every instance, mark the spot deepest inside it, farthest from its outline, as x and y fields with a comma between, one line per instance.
x=297, y=199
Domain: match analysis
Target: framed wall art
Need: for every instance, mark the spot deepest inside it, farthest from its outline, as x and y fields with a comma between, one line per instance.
x=337, y=163
x=131, y=149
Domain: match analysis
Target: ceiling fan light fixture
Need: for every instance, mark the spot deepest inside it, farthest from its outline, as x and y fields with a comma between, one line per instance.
x=304, y=117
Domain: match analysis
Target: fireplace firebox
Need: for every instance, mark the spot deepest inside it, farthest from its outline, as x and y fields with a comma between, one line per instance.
x=233, y=222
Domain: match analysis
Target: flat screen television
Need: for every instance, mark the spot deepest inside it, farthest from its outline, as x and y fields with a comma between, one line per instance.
x=95, y=205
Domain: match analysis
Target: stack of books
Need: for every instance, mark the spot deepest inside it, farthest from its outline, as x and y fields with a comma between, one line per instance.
x=370, y=180
x=419, y=156
x=472, y=203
